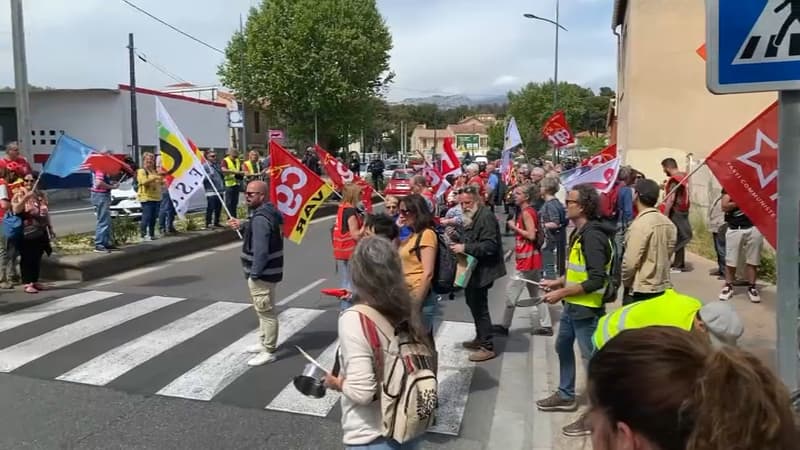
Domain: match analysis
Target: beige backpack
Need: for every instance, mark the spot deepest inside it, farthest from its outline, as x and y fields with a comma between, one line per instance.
x=406, y=375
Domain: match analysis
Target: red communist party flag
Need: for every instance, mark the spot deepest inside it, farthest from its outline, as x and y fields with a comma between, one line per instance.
x=295, y=190
x=451, y=165
x=556, y=130
x=747, y=168
x=336, y=170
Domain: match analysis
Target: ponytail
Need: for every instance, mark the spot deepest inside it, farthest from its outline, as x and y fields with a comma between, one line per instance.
x=737, y=403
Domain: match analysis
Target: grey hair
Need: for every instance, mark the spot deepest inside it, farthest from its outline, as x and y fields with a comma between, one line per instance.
x=473, y=167
x=538, y=171
x=525, y=168
x=377, y=275
x=550, y=185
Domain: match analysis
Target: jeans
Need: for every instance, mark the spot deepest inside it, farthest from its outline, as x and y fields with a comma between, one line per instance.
x=345, y=282
x=262, y=294
x=166, y=214
x=430, y=312
x=478, y=302
x=681, y=221
x=7, y=252
x=232, y=199
x=719, y=248
x=102, y=207
x=149, y=216
x=568, y=331
x=383, y=444
x=213, y=210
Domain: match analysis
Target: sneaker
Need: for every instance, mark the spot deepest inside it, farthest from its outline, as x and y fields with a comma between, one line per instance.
x=500, y=330
x=101, y=249
x=148, y=238
x=580, y=427
x=556, y=403
x=112, y=247
x=752, y=292
x=482, y=354
x=29, y=289
x=471, y=345
x=727, y=293
x=674, y=270
x=261, y=359
x=255, y=348
x=543, y=331
x=6, y=285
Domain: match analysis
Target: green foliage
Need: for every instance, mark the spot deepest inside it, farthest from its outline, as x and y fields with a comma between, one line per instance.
x=532, y=105
x=124, y=230
x=494, y=154
x=593, y=144
x=497, y=133
x=307, y=57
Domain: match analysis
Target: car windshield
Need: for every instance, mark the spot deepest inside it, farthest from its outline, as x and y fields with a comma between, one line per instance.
x=401, y=175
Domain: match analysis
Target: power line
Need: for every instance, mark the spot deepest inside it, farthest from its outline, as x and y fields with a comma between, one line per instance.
x=160, y=68
x=199, y=41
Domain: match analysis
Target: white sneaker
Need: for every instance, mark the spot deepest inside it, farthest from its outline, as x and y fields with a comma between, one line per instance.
x=261, y=359
x=752, y=292
x=727, y=293
x=255, y=348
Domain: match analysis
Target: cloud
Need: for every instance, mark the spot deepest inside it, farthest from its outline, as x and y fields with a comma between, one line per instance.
x=440, y=46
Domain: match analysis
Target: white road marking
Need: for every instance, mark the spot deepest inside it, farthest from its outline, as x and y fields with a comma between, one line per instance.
x=193, y=256
x=226, y=247
x=300, y=292
x=110, y=365
x=34, y=313
x=455, y=376
x=210, y=377
x=20, y=354
x=73, y=210
x=292, y=401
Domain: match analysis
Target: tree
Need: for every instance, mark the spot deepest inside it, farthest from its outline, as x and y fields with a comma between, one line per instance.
x=323, y=58
x=593, y=144
x=497, y=134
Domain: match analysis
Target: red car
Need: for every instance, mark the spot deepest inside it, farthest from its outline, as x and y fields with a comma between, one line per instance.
x=400, y=183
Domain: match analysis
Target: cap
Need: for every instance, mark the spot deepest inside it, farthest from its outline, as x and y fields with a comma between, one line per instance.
x=722, y=322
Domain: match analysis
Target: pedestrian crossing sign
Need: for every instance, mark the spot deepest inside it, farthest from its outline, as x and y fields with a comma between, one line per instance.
x=753, y=45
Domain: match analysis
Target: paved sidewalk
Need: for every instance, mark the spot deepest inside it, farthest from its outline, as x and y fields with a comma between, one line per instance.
x=759, y=338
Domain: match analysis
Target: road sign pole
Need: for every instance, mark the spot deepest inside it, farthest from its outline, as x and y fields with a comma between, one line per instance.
x=788, y=256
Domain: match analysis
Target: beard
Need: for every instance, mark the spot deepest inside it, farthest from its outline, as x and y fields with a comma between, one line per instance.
x=469, y=216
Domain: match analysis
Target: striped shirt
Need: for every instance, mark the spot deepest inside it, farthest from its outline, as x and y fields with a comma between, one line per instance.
x=97, y=178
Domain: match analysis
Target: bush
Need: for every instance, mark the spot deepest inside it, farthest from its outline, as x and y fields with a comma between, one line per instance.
x=702, y=243
x=124, y=230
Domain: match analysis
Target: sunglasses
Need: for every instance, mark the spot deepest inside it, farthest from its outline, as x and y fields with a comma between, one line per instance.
x=28, y=180
x=568, y=201
x=404, y=212
x=468, y=190
x=250, y=194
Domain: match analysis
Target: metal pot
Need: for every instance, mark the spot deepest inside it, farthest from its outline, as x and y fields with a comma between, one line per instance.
x=311, y=382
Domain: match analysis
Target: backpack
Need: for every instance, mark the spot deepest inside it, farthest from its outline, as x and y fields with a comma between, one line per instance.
x=406, y=374
x=444, y=271
x=12, y=225
x=608, y=203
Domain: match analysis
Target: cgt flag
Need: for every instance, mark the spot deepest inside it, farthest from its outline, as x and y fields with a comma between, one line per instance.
x=295, y=190
x=605, y=155
x=556, y=130
x=747, y=168
x=341, y=175
x=184, y=172
x=451, y=165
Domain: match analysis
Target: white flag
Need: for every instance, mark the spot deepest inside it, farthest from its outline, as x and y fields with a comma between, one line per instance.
x=512, y=138
x=185, y=173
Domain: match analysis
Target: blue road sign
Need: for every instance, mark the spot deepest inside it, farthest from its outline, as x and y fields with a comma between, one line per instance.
x=753, y=45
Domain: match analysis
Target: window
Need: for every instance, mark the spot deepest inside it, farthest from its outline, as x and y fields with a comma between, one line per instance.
x=257, y=122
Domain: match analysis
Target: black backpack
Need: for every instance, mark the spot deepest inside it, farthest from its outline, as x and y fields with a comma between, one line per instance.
x=444, y=272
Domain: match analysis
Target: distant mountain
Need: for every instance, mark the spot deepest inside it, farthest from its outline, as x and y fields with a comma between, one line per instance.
x=454, y=101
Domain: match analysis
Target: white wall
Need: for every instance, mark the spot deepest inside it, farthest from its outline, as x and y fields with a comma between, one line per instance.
x=204, y=124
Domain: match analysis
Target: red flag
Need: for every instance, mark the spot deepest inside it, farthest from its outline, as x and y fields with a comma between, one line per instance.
x=197, y=151
x=451, y=165
x=295, y=190
x=747, y=168
x=339, y=173
x=366, y=193
x=557, y=131
x=108, y=164
x=437, y=181
x=605, y=155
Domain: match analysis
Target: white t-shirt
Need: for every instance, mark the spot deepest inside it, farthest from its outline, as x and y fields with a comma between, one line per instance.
x=3, y=192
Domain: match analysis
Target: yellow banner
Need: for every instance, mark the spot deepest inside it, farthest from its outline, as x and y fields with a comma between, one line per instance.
x=307, y=212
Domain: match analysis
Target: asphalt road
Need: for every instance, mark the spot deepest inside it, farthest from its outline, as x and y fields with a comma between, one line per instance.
x=152, y=359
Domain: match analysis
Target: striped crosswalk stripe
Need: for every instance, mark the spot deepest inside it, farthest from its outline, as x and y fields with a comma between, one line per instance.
x=291, y=400
x=34, y=313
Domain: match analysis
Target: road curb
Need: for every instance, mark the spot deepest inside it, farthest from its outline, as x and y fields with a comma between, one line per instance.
x=92, y=266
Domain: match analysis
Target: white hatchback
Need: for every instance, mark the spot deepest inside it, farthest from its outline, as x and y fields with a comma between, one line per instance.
x=125, y=204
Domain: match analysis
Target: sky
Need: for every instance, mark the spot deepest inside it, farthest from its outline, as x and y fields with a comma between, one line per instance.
x=469, y=47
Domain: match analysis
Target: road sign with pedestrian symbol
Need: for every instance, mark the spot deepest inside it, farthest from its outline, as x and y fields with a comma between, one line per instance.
x=753, y=45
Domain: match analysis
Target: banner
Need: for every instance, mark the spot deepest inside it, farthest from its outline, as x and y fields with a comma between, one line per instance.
x=295, y=190
x=605, y=155
x=512, y=138
x=183, y=169
x=602, y=177
x=556, y=130
x=747, y=168
x=451, y=165
x=340, y=175
x=439, y=184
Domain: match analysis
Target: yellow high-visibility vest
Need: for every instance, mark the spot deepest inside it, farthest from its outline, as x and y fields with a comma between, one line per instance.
x=232, y=164
x=576, y=274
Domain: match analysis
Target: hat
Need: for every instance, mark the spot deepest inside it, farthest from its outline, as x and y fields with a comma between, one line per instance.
x=722, y=322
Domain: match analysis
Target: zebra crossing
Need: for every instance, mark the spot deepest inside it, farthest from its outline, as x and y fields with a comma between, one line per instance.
x=195, y=349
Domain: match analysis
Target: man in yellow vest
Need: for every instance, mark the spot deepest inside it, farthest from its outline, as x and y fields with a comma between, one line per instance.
x=716, y=320
x=582, y=291
x=252, y=167
x=232, y=174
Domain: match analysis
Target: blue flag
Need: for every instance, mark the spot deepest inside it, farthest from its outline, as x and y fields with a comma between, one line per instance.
x=68, y=156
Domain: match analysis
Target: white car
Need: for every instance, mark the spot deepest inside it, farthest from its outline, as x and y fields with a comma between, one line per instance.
x=125, y=204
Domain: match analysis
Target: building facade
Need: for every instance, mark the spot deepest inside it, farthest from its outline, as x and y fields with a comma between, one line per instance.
x=663, y=108
x=470, y=135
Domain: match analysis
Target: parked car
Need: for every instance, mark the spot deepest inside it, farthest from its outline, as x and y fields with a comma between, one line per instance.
x=125, y=204
x=400, y=183
x=389, y=168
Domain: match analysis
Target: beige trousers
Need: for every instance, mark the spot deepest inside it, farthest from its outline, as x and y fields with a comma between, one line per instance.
x=262, y=294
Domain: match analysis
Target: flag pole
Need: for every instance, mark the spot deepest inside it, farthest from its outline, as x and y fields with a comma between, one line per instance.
x=216, y=192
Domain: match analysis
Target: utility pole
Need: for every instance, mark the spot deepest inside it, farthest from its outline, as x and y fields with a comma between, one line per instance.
x=555, y=69
x=21, y=88
x=243, y=140
x=134, y=112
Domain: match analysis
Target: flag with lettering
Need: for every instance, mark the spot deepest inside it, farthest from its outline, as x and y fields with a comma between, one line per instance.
x=602, y=176
x=605, y=155
x=451, y=165
x=556, y=130
x=340, y=175
x=183, y=169
x=295, y=190
x=747, y=168
x=437, y=181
